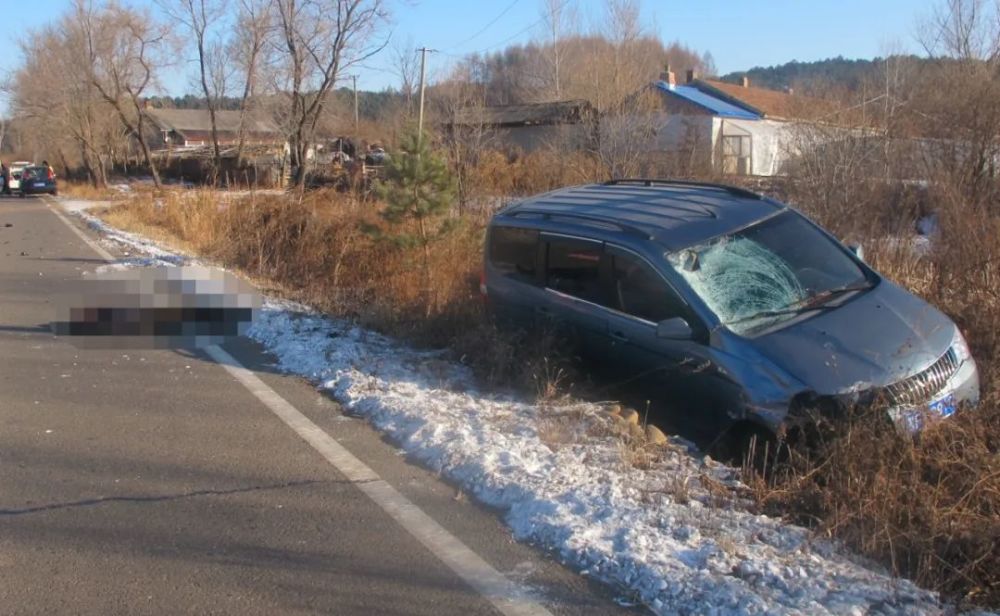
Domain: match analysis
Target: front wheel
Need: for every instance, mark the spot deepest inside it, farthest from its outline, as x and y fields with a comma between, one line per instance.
x=746, y=445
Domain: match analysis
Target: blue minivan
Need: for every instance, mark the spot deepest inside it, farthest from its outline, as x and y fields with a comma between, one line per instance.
x=730, y=302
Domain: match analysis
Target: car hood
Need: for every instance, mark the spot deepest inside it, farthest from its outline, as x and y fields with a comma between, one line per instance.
x=872, y=339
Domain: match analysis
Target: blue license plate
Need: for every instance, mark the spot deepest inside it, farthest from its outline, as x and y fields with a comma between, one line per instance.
x=945, y=407
x=915, y=419
x=39, y=184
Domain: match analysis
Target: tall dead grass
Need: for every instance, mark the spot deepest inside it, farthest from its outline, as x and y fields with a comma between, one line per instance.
x=499, y=174
x=86, y=190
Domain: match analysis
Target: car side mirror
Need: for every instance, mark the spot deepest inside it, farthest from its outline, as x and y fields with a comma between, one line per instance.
x=674, y=329
x=858, y=250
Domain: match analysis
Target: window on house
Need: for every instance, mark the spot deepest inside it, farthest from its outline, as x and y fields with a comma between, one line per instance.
x=736, y=154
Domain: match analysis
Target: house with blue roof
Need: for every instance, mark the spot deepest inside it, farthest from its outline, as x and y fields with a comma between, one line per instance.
x=710, y=122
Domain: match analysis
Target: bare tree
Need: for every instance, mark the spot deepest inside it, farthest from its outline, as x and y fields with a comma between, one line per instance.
x=253, y=27
x=964, y=30
x=623, y=28
x=559, y=19
x=458, y=104
x=406, y=66
x=52, y=85
x=321, y=39
x=964, y=37
x=124, y=49
x=199, y=17
x=627, y=134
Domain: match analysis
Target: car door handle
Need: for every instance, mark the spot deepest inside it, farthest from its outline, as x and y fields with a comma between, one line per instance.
x=619, y=337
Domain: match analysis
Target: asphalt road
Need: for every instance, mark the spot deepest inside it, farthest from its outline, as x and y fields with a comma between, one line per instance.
x=154, y=482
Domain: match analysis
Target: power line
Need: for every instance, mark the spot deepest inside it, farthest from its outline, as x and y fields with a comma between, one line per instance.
x=486, y=27
x=561, y=6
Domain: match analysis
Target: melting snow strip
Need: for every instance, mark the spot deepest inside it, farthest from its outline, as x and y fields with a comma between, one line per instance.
x=658, y=535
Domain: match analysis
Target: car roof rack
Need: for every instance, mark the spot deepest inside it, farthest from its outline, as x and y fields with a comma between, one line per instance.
x=733, y=190
x=587, y=218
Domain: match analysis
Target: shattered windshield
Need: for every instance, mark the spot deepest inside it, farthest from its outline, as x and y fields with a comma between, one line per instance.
x=767, y=272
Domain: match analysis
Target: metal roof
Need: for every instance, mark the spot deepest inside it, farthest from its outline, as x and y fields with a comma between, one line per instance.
x=706, y=101
x=674, y=215
x=198, y=120
x=557, y=112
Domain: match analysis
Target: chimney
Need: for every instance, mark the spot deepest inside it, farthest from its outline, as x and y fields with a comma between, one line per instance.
x=668, y=76
x=691, y=75
x=745, y=82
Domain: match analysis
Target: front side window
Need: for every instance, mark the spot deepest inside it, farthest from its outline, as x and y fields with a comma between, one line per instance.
x=573, y=267
x=768, y=272
x=641, y=292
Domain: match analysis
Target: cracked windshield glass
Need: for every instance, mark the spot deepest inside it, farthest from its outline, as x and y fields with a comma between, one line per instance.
x=766, y=272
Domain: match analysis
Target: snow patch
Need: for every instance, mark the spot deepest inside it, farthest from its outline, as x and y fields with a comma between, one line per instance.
x=131, y=241
x=79, y=205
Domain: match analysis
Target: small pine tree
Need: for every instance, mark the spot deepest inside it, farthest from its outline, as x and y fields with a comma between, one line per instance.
x=418, y=191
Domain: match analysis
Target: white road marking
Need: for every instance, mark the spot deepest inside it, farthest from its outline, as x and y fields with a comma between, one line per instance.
x=507, y=597
x=57, y=210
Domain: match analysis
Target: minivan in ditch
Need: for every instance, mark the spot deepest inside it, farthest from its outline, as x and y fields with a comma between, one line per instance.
x=737, y=306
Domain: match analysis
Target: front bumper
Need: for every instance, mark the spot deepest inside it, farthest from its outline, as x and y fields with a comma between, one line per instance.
x=962, y=389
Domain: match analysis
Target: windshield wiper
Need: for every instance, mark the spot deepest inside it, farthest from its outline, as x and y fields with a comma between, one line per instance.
x=816, y=302
x=823, y=296
x=779, y=312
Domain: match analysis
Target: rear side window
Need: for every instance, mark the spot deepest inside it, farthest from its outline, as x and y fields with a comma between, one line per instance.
x=641, y=292
x=574, y=267
x=513, y=252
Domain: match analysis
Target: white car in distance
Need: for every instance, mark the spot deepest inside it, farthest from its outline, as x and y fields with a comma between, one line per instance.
x=14, y=177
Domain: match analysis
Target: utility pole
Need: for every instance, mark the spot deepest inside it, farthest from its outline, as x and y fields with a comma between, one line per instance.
x=355, y=78
x=420, y=121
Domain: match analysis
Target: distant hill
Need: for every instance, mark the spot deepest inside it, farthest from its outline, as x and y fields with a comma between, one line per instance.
x=810, y=76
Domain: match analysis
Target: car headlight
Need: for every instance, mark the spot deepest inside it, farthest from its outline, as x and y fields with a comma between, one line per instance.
x=960, y=347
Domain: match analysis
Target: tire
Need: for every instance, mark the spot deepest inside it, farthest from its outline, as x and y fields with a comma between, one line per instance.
x=745, y=444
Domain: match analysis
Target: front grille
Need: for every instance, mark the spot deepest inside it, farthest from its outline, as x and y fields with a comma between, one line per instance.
x=921, y=387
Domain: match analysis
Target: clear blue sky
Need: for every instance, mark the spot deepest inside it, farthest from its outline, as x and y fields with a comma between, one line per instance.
x=740, y=34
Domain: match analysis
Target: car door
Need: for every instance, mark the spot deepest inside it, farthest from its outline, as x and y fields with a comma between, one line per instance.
x=677, y=373
x=575, y=286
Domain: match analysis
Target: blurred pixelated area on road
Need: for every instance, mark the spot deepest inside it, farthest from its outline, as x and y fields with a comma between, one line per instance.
x=157, y=307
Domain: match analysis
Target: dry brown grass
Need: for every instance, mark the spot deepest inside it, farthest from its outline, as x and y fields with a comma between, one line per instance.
x=314, y=248
x=499, y=174
x=86, y=190
x=188, y=220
